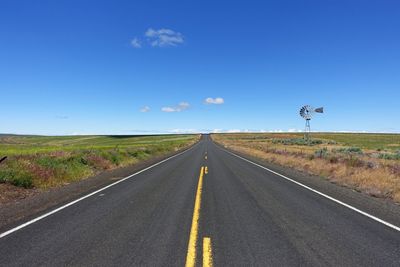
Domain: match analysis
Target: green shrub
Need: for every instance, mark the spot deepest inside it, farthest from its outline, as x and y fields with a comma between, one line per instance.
x=140, y=153
x=16, y=177
x=390, y=156
x=113, y=156
x=23, y=181
x=297, y=141
x=60, y=168
x=349, y=150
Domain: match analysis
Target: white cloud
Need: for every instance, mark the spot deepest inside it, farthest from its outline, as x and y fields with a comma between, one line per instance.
x=215, y=101
x=145, y=109
x=180, y=107
x=234, y=131
x=164, y=37
x=168, y=109
x=183, y=131
x=136, y=43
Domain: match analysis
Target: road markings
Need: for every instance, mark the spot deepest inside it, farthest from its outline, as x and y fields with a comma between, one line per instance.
x=320, y=193
x=207, y=252
x=87, y=196
x=206, y=170
x=191, y=254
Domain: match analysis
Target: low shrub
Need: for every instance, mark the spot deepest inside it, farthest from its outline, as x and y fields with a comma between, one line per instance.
x=296, y=141
x=349, y=150
x=390, y=156
x=372, y=165
x=112, y=156
x=321, y=153
x=353, y=162
x=333, y=159
x=25, y=181
x=97, y=162
x=16, y=177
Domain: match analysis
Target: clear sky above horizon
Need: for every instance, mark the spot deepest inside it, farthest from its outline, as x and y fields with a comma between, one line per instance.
x=126, y=67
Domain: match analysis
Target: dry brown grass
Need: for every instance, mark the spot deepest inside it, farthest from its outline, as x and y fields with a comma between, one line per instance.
x=363, y=172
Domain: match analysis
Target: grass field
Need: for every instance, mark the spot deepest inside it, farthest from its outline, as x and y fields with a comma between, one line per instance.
x=388, y=142
x=25, y=145
x=42, y=162
x=366, y=162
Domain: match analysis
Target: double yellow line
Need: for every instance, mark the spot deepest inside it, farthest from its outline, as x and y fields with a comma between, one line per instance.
x=207, y=246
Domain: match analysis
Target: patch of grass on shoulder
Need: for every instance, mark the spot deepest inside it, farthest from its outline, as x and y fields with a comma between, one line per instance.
x=16, y=176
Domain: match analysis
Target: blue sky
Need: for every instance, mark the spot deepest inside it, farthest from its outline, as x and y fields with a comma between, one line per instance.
x=92, y=67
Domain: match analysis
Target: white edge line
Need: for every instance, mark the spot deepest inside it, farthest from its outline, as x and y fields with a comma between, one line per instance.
x=320, y=193
x=87, y=196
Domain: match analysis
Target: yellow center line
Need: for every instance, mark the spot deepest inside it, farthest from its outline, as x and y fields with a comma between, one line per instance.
x=191, y=254
x=207, y=252
x=206, y=170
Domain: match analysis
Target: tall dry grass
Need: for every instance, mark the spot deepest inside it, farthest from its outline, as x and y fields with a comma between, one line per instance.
x=364, y=172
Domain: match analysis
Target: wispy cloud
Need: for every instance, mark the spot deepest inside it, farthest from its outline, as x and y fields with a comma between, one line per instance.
x=158, y=38
x=178, y=108
x=62, y=117
x=136, y=43
x=164, y=37
x=214, y=101
x=145, y=109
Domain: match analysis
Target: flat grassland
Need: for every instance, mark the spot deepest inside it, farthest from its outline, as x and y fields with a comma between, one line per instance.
x=366, y=162
x=43, y=162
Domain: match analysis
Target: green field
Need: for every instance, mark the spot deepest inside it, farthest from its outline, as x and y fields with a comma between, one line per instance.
x=24, y=145
x=42, y=161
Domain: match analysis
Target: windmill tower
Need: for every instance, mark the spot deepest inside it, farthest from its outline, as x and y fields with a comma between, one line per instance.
x=307, y=112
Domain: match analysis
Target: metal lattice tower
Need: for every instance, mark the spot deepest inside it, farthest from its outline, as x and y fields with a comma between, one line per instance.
x=307, y=130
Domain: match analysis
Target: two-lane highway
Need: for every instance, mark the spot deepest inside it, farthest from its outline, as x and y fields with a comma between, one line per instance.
x=203, y=207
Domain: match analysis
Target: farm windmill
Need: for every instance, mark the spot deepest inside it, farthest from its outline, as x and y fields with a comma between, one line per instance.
x=307, y=113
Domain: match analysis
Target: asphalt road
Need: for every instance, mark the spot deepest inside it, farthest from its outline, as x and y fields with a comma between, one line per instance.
x=203, y=207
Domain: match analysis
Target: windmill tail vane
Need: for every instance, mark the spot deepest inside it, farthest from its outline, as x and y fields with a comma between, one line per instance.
x=319, y=110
